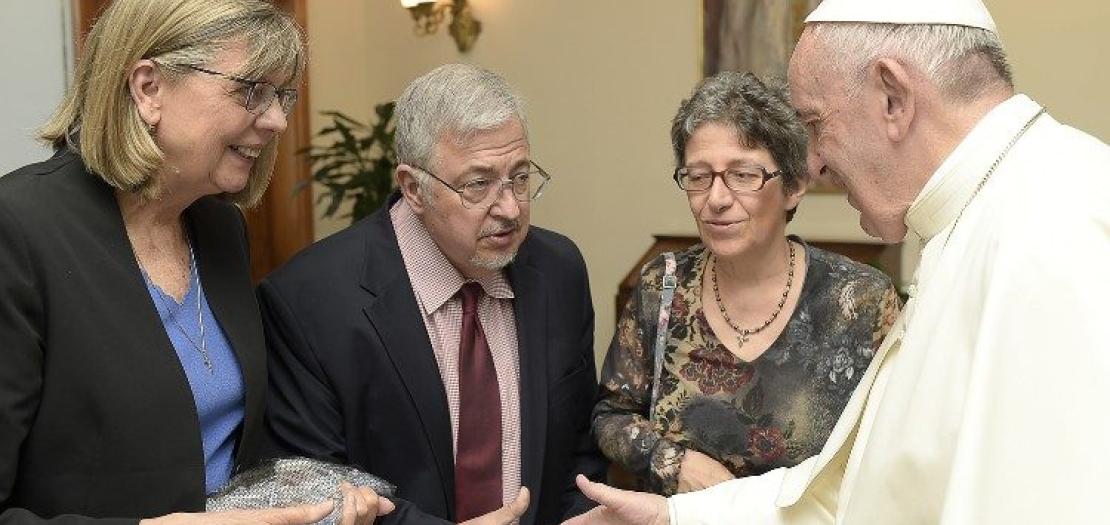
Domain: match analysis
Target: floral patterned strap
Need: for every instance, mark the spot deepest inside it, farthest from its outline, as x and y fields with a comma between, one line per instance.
x=665, y=298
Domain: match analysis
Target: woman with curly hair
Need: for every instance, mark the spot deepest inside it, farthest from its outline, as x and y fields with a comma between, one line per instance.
x=765, y=335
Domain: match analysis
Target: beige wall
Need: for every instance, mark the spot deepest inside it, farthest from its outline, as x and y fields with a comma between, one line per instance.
x=603, y=79
x=1061, y=57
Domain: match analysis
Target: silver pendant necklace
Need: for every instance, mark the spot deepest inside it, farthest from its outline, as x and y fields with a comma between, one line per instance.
x=202, y=348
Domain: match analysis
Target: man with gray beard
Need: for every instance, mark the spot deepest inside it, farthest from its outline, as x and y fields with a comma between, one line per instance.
x=442, y=343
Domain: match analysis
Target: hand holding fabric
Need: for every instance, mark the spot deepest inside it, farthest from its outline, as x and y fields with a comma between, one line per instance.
x=361, y=505
x=302, y=515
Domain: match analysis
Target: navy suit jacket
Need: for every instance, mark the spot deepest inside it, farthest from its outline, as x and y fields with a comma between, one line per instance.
x=353, y=377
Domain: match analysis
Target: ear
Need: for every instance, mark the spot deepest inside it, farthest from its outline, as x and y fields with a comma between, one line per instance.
x=895, y=84
x=795, y=198
x=405, y=176
x=147, y=86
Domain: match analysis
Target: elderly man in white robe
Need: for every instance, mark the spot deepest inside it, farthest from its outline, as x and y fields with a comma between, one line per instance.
x=987, y=401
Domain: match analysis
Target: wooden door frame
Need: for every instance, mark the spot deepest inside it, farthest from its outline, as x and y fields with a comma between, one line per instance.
x=282, y=224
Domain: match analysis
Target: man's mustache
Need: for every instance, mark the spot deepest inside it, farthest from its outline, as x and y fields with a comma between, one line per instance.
x=502, y=226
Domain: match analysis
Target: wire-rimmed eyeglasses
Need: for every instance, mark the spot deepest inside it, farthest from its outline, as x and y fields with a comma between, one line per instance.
x=482, y=192
x=260, y=94
x=740, y=178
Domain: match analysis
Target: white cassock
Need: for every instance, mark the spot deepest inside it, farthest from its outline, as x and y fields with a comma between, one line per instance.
x=989, y=401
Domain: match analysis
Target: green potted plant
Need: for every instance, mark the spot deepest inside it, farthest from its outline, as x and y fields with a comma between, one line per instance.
x=357, y=164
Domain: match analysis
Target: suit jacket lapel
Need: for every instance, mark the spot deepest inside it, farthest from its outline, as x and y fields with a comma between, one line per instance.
x=153, y=353
x=530, y=310
x=395, y=316
x=105, y=218
x=228, y=292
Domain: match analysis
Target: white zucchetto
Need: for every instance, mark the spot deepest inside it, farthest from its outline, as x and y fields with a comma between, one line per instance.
x=970, y=13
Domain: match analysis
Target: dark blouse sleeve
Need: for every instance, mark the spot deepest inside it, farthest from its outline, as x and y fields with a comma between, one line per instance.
x=620, y=419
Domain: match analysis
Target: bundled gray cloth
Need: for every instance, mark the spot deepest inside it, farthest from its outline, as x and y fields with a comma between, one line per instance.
x=294, y=481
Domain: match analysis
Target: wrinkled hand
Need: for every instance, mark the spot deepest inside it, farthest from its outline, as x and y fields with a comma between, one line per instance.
x=504, y=515
x=360, y=506
x=620, y=507
x=699, y=471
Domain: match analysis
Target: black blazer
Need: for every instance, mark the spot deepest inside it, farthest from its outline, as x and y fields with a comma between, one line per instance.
x=96, y=415
x=353, y=377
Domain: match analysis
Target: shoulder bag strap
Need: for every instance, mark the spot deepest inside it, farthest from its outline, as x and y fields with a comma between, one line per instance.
x=666, y=295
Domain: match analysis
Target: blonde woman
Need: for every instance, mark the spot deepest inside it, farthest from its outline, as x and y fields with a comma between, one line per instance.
x=132, y=360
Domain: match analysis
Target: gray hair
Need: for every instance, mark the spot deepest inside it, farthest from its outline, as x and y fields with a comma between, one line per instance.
x=456, y=100
x=963, y=62
x=759, y=111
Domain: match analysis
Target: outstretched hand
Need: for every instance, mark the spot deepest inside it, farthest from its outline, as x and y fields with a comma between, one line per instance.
x=620, y=507
x=504, y=515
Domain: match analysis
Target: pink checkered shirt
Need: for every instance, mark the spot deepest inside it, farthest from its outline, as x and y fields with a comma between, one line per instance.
x=435, y=283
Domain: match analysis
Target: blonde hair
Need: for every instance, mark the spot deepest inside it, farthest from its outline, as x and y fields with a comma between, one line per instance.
x=114, y=141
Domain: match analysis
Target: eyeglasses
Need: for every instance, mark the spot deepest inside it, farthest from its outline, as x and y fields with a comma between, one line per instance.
x=260, y=94
x=742, y=178
x=483, y=192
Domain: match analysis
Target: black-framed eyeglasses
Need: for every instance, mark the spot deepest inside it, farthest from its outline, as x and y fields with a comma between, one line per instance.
x=740, y=178
x=260, y=94
x=482, y=192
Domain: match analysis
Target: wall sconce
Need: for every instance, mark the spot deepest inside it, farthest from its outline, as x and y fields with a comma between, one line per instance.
x=429, y=15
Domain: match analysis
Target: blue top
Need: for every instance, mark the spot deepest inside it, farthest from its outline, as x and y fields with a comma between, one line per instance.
x=217, y=393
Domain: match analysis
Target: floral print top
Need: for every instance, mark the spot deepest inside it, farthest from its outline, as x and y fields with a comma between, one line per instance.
x=774, y=411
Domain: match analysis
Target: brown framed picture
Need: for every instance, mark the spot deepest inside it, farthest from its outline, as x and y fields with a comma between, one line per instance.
x=752, y=35
x=756, y=36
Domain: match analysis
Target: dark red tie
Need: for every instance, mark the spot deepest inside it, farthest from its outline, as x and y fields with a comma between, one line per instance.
x=478, y=459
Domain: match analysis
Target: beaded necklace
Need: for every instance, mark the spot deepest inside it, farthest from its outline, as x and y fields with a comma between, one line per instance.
x=744, y=334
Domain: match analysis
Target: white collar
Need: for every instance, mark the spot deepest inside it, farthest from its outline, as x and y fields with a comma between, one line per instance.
x=955, y=181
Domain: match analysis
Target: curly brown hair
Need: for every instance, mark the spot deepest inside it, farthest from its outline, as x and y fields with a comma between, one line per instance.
x=759, y=111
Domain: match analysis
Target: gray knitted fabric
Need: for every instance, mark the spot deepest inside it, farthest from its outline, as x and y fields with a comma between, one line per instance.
x=294, y=481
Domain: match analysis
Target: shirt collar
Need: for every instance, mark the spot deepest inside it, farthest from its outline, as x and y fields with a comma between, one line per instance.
x=951, y=186
x=434, y=279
